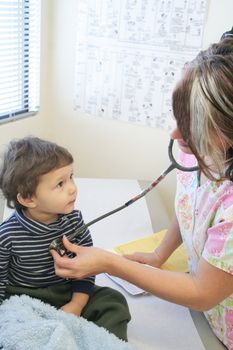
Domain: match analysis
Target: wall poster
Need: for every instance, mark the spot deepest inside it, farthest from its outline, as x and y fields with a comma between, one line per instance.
x=130, y=54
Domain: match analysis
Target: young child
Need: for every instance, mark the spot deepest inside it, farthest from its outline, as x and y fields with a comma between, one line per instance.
x=36, y=178
x=203, y=220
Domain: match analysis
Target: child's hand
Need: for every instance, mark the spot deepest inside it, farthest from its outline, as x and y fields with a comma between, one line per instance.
x=76, y=304
x=151, y=259
x=72, y=308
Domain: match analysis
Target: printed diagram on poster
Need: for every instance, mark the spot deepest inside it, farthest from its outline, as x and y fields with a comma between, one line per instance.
x=130, y=54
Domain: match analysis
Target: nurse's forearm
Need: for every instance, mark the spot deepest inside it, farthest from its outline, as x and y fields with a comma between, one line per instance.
x=192, y=290
x=170, y=242
x=172, y=286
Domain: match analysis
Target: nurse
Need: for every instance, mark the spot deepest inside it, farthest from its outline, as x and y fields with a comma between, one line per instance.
x=203, y=109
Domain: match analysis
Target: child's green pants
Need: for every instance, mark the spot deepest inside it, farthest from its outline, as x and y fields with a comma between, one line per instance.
x=106, y=307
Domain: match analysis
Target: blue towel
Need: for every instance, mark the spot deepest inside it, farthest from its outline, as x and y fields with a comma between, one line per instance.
x=29, y=324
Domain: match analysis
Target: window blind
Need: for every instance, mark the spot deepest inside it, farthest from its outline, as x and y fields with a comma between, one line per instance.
x=19, y=58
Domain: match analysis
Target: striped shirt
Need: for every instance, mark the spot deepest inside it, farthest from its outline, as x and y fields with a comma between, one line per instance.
x=25, y=259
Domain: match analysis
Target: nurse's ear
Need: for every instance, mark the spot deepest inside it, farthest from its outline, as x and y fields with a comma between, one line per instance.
x=28, y=202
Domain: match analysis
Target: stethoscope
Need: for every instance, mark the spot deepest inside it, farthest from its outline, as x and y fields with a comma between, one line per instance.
x=57, y=243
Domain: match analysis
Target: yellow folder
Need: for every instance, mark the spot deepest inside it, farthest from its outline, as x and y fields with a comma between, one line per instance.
x=178, y=261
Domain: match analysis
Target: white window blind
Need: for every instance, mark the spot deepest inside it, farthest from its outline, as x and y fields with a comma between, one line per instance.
x=19, y=58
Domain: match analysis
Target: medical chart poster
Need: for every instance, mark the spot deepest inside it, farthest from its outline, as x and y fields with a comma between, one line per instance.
x=130, y=54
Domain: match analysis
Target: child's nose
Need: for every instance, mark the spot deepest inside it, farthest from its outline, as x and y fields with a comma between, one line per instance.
x=72, y=188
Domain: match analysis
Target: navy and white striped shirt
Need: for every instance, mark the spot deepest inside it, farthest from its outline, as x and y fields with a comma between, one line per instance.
x=25, y=259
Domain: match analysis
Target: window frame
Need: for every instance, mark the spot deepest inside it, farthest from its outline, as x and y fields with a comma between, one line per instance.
x=24, y=54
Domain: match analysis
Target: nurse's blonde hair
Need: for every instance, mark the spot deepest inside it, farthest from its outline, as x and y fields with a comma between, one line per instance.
x=203, y=107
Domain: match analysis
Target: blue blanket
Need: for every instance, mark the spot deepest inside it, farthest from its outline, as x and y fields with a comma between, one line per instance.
x=30, y=324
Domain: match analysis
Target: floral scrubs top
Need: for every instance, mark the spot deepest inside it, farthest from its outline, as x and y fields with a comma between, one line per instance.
x=205, y=216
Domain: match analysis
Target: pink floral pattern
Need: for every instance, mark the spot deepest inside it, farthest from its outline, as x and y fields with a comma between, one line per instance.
x=205, y=215
x=185, y=211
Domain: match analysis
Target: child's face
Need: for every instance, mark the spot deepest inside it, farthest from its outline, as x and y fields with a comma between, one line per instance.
x=55, y=194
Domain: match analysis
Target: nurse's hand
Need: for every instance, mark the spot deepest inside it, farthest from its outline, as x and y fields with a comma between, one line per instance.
x=87, y=262
x=152, y=259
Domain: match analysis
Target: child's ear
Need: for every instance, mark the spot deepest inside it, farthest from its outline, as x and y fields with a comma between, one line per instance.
x=28, y=202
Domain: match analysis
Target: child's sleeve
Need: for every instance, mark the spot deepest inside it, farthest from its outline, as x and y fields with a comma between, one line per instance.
x=84, y=239
x=4, y=261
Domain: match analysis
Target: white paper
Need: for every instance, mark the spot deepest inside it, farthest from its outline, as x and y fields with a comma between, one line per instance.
x=130, y=55
x=157, y=324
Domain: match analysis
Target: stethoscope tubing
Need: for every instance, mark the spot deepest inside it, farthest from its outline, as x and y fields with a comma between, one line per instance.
x=57, y=243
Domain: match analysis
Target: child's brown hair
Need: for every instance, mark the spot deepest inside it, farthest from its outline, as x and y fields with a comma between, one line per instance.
x=24, y=161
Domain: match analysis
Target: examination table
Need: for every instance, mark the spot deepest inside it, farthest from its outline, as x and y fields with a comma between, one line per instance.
x=156, y=324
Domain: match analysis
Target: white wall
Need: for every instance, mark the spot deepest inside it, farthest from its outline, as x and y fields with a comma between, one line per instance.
x=102, y=148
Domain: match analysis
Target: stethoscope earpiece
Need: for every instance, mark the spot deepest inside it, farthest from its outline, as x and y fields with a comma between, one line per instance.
x=227, y=34
x=175, y=164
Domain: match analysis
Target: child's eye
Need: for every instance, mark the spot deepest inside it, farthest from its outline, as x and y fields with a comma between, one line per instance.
x=60, y=184
x=71, y=176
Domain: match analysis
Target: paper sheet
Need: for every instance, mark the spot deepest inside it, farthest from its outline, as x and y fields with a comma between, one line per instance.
x=157, y=324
